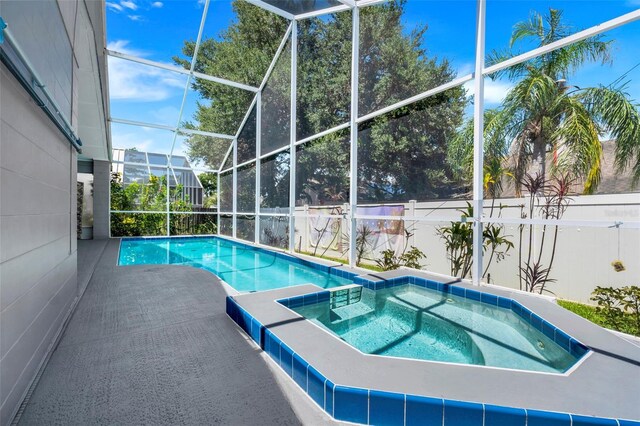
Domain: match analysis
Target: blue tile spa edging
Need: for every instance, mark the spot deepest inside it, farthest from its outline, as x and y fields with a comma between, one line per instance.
x=332, y=270
x=374, y=407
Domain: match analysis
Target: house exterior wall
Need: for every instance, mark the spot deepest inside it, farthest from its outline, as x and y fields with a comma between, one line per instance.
x=101, y=190
x=38, y=172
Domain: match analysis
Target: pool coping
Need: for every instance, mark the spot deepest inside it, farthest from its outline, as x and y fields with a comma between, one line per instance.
x=603, y=384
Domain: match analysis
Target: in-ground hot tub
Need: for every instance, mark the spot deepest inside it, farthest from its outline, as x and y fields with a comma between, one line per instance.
x=422, y=322
x=595, y=384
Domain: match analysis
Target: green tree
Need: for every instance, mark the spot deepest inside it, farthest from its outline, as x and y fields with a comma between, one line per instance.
x=241, y=53
x=209, y=181
x=402, y=154
x=149, y=196
x=545, y=113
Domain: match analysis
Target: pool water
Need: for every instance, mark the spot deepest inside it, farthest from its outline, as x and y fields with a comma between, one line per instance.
x=414, y=322
x=242, y=267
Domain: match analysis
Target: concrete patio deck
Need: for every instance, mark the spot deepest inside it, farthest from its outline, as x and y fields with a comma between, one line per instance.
x=153, y=345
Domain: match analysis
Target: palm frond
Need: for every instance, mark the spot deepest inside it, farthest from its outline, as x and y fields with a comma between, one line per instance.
x=578, y=144
x=561, y=63
x=534, y=27
x=619, y=116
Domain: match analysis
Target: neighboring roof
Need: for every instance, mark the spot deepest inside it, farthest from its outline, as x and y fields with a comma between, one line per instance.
x=610, y=182
x=152, y=158
x=142, y=164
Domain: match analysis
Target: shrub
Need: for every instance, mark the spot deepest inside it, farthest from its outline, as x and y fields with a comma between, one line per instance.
x=410, y=259
x=619, y=307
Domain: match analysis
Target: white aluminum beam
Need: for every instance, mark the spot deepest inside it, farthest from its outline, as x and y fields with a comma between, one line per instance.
x=589, y=32
x=258, y=147
x=194, y=58
x=272, y=9
x=218, y=203
x=224, y=81
x=180, y=70
x=162, y=166
x=142, y=124
x=276, y=56
x=292, y=140
x=246, y=116
x=226, y=156
x=365, y=3
x=160, y=212
x=323, y=133
x=478, y=143
x=204, y=133
x=235, y=189
x=353, y=166
x=350, y=3
x=240, y=165
x=568, y=223
x=431, y=92
x=170, y=128
x=327, y=11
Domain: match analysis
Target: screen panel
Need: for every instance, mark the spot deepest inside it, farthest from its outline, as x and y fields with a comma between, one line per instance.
x=402, y=155
x=323, y=73
x=226, y=192
x=276, y=105
x=274, y=231
x=246, y=191
x=405, y=49
x=322, y=171
x=274, y=183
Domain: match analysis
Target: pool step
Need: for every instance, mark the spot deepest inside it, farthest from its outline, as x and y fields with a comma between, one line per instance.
x=345, y=295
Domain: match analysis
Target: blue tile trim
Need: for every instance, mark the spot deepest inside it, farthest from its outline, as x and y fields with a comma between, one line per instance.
x=351, y=404
x=460, y=413
x=386, y=408
x=577, y=420
x=423, y=411
x=299, y=373
x=504, y=416
x=546, y=418
x=378, y=407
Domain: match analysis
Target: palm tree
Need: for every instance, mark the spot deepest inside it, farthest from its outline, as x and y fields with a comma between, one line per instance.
x=543, y=113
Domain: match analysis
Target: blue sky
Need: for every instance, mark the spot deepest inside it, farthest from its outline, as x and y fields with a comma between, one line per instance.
x=156, y=29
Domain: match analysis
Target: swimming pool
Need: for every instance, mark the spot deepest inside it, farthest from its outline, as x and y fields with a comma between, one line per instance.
x=420, y=323
x=243, y=267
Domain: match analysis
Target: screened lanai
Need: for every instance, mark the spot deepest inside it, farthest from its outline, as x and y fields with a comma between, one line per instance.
x=445, y=135
x=391, y=212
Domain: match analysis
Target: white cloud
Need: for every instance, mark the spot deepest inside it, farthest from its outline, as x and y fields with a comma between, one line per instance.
x=166, y=115
x=130, y=138
x=143, y=139
x=135, y=17
x=129, y=4
x=115, y=7
x=157, y=4
x=494, y=91
x=137, y=82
